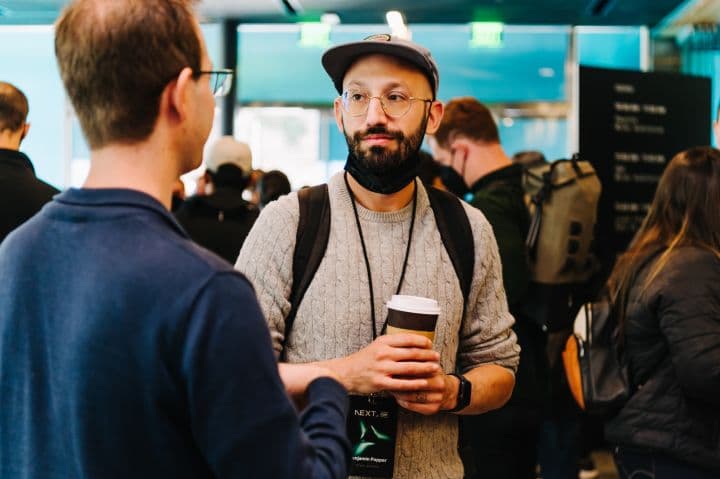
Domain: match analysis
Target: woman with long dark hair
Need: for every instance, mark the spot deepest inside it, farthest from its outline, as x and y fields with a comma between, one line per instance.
x=667, y=287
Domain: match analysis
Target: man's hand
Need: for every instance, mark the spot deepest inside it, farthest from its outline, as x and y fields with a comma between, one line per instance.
x=441, y=394
x=393, y=362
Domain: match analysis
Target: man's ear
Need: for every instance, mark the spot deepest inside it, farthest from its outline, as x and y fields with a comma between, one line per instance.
x=434, y=117
x=26, y=129
x=460, y=145
x=337, y=109
x=176, y=96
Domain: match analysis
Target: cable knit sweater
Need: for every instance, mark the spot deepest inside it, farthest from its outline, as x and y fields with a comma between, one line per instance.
x=333, y=319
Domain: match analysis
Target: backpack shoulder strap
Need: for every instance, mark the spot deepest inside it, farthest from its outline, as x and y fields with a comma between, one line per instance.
x=457, y=236
x=310, y=244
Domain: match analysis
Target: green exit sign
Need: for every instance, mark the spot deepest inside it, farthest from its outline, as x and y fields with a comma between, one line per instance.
x=486, y=34
x=314, y=34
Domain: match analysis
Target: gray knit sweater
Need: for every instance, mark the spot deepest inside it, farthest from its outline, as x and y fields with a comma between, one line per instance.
x=333, y=319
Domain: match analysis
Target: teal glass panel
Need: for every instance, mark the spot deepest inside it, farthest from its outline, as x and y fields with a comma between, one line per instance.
x=705, y=63
x=273, y=65
x=548, y=135
x=609, y=47
x=213, y=35
x=527, y=65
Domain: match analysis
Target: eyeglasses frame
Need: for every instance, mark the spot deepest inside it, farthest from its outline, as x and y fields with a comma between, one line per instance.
x=221, y=71
x=382, y=105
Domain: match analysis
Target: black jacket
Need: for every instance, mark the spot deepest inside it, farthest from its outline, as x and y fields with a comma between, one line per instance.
x=220, y=222
x=21, y=193
x=499, y=195
x=672, y=333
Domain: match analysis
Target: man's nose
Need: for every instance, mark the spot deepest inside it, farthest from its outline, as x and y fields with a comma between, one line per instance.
x=375, y=114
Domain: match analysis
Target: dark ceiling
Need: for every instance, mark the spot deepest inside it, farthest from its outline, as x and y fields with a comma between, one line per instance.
x=548, y=12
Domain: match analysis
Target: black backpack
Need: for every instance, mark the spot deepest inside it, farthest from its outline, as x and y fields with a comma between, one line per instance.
x=314, y=230
x=595, y=367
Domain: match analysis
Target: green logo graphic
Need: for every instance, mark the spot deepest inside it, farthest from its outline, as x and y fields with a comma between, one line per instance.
x=369, y=437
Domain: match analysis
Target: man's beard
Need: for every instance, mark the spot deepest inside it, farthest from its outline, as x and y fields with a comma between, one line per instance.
x=381, y=161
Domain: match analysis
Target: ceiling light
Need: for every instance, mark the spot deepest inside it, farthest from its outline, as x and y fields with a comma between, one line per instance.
x=314, y=35
x=330, y=18
x=486, y=34
x=546, y=72
x=397, y=24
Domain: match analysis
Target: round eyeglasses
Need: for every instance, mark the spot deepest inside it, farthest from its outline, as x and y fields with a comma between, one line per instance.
x=220, y=80
x=394, y=104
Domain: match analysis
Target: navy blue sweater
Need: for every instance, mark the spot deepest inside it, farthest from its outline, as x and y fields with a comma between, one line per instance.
x=126, y=351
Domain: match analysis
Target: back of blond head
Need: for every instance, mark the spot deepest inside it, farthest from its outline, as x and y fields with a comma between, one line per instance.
x=117, y=56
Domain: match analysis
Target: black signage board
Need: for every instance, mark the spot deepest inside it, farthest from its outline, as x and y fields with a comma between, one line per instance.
x=631, y=124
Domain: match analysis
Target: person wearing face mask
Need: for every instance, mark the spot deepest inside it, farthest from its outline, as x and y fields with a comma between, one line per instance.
x=384, y=240
x=454, y=182
x=503, y=442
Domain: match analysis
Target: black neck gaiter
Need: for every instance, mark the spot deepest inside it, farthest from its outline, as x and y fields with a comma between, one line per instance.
x=391, y=180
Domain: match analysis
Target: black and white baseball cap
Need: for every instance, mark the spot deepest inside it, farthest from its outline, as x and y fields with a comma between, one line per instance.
x=338, y=59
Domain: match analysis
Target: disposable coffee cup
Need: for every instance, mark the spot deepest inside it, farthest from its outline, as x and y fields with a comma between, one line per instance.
x=412, y=314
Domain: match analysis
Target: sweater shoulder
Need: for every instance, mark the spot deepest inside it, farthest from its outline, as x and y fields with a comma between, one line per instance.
x=479, y=223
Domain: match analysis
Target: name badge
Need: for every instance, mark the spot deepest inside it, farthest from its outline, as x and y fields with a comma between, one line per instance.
x=372, y=430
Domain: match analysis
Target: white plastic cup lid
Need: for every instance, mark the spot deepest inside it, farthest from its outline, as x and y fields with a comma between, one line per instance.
x=413, y=304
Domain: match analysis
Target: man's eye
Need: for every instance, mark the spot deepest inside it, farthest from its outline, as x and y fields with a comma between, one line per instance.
x=396, y=97
x=357, y=97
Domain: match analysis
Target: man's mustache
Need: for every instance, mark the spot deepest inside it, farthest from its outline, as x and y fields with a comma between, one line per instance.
x=379, y=130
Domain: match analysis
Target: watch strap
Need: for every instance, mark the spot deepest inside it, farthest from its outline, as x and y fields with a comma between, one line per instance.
x=463, y=394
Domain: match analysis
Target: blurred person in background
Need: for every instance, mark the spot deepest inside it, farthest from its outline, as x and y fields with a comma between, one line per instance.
x=430, y=170
x=220, y=219
x=666, y=288
x=271, y=186
x=22, y=194
x=251, y=192
x=529, y=158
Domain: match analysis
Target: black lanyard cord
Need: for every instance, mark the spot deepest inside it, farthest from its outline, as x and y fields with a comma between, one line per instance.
x=365, y=255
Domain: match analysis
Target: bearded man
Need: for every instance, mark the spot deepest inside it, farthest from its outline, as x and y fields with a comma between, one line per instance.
x=384, y=240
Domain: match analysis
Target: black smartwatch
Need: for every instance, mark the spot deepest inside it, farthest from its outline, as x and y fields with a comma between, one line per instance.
x=463, y=394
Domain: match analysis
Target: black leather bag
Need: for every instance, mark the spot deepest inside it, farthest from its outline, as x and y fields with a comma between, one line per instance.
x=594, y=366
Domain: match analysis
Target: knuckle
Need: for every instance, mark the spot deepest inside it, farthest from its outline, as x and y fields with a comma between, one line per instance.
x=377, y=382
